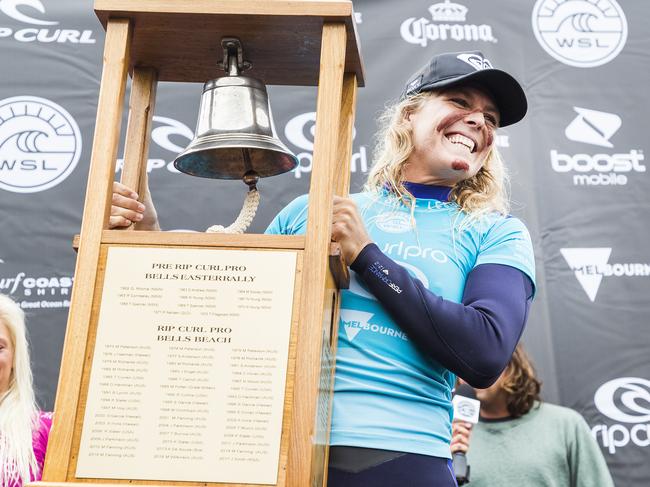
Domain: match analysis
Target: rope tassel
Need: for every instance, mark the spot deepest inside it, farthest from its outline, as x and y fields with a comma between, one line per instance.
x=245, y=217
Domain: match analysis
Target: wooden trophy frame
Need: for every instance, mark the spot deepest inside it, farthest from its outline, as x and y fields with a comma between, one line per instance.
x=306, y=42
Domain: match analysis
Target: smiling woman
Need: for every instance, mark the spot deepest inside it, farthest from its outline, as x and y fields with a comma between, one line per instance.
x=23, y=429
x=438, y=187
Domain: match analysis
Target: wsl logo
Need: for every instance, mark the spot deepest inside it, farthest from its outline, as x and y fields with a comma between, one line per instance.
x=624, y=400
x=40, y=144
x=580, y=33
x=447, y=23
x=32, y=12
x=591, y=265
x=602, y=169
x=300, y=131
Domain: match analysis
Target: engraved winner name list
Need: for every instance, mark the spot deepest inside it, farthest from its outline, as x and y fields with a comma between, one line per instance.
x=189, y=366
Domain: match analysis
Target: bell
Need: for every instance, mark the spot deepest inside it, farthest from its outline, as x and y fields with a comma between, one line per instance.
x=235, y=135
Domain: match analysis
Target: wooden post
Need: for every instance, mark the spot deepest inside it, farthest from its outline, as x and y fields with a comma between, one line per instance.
x=138, y=131
x=346, y=132
x=96, y=210
x=306, y=456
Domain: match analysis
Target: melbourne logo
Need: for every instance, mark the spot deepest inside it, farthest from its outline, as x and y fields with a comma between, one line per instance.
x=623, y=400
x=354, y=322
x=601, y=169
x=40, y=144
x=591, y=265
x=580, y=33
x=447, y=23
x=32, y=12
x=300, y=131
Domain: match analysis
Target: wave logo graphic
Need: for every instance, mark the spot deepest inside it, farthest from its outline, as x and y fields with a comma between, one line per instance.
x=300, y=132
x=168, y=134
x=168, y=128
x=593, y=127
x=626, y=399
x=13, y=10
x=580, y=33
x=40, y=144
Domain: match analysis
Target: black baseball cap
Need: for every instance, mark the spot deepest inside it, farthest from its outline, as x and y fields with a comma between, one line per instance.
x=471, y=67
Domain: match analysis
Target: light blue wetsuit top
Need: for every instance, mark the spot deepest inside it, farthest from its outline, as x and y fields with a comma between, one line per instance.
x=388, y=395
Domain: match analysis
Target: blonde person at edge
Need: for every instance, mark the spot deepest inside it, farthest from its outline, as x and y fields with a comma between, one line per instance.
x=24, y=429
x=442, y=277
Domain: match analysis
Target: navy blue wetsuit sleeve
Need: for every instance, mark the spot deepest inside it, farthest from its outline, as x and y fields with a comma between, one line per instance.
x=475, y=338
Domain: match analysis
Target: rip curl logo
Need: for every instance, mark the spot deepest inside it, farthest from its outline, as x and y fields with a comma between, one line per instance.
x=475, y=61
x=580, y=33
x=21, y=11
x=40, y=144
x=447, y=23
x=590, y=265
x=168, y=134
x=624, y=400
x=300, y=131
x=13, y=10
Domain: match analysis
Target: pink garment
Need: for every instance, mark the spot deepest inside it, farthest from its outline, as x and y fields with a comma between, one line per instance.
x=39, y=442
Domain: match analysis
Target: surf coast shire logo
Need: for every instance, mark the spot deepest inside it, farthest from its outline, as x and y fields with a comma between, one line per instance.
x=580, y=33
x=40, y=144
x=36, y=291
x=32, y=13
x=447, y=23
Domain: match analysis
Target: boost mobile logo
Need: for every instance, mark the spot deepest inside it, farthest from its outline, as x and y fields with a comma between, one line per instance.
x=40, y=144
x=300, y=131
x=421, y=31
x=580, y=33
x=596, y=128
x=590, y=265
x=16, y=9
x=625, y=400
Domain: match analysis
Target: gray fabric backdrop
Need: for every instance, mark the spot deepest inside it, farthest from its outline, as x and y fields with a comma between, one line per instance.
x=577, y=161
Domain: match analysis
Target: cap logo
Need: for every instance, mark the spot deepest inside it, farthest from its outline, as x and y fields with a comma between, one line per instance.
x=413, y=85
x=475, y=61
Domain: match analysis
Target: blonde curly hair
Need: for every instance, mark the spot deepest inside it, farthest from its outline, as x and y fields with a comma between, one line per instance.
x=484, y=193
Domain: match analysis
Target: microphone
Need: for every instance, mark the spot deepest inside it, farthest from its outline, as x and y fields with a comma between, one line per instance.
x=466, y=408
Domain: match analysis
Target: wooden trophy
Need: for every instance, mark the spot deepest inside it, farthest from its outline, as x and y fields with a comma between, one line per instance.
x=202, y=358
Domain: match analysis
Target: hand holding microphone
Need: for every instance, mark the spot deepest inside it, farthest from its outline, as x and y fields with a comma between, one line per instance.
x=466, y=413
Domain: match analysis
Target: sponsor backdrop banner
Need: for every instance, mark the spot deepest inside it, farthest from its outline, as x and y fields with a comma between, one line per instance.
x=579, y=174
